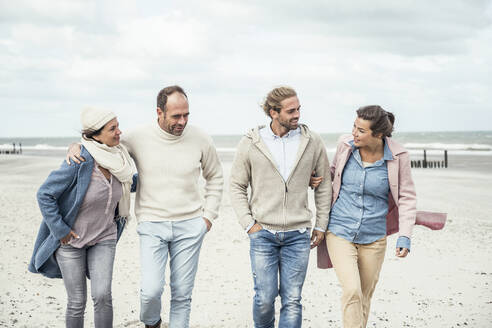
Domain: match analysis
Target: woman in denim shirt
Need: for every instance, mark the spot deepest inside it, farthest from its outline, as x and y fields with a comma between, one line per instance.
x=82, y=207
x=373, y=196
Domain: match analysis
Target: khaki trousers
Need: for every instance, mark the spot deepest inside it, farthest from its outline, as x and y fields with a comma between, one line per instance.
x=357, y=267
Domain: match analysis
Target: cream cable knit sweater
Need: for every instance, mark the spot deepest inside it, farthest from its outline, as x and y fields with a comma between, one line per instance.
x=169, y=169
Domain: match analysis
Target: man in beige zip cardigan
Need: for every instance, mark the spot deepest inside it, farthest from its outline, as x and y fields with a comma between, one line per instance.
x=277, y=161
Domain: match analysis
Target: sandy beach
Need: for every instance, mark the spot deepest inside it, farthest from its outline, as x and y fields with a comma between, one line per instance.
x=445, y=282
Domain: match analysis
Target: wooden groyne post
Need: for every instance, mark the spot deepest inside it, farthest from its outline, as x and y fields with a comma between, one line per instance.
x=14, y=150
x=430, y=164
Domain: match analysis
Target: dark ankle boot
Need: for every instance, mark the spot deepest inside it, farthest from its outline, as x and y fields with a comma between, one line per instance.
x=157, y=325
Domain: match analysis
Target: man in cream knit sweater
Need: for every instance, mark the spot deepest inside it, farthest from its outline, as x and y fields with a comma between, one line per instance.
x=172, y=216
x=277, y=161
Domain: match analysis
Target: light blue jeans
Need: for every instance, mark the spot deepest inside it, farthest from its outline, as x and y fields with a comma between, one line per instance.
x=98, y=261
x=181, y=240
x=284, y=254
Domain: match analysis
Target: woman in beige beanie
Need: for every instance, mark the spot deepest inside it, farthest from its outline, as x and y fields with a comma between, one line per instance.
x=84, y=209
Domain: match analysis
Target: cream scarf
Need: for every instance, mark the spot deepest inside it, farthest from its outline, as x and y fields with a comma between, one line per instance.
x=117, y=160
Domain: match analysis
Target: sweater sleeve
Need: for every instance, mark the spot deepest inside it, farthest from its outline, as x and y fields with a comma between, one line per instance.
x=212, y=172
x=322, y=194
x=239, y=181
x=49, y=193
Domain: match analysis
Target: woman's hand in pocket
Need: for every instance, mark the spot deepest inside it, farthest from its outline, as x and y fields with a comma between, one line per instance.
x=65, y=240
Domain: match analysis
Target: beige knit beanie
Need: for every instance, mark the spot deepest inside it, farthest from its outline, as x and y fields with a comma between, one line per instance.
x=93, y=119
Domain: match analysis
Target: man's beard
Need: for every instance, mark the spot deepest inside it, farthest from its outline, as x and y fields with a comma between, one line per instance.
x=288, y=125
x=177, y=132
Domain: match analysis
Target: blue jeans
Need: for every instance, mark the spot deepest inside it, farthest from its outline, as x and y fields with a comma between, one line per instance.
x=285, y=254
x=181, y=241
x=98, y=261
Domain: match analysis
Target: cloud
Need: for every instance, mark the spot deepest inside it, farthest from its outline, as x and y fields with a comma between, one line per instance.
x=418, y=59
x=403, y=27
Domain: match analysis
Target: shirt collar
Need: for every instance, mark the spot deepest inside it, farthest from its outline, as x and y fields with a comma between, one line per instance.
x=387, y=154
x=351, y=143
x=289, y=134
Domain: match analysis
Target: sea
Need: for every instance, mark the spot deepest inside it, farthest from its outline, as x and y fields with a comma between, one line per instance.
x=469, y=150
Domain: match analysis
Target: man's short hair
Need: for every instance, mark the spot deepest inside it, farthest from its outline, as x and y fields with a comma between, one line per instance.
x=166, y=92
x=274, y=97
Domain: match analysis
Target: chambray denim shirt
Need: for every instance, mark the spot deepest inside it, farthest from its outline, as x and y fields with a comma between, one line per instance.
x=359, y=214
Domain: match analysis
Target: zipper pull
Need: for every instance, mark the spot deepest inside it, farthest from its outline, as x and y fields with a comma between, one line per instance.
x=286, y=188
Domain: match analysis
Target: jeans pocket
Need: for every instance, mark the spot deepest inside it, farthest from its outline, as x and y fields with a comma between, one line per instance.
x=66, y=246
x=255, y=234
x=205, y=226
x=143, y=227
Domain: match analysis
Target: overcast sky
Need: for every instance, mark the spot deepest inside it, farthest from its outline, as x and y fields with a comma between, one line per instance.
x=429, y=62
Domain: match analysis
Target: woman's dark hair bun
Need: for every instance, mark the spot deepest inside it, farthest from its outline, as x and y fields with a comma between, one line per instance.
x=381, y=121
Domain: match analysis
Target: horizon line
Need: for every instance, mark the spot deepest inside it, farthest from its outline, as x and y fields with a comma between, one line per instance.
x=239, y=134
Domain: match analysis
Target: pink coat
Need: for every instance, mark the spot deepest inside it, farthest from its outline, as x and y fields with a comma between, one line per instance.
x=403, y=214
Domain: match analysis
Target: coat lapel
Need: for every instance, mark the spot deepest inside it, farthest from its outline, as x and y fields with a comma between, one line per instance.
x=393, y=167
x=393, y=177
x=341, y=160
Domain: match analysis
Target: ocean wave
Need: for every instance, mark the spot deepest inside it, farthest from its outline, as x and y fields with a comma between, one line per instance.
x=454, y=148
x=444, y=146
x=35, y=147
x=414, y=148
x=440, y=152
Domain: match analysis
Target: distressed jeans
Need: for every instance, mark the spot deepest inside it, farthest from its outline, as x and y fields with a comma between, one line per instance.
x=181, y=241
x=279, y=263
x=98, y=261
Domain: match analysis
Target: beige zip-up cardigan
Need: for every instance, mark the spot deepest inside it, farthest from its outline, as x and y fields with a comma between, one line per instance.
x=274, y=203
